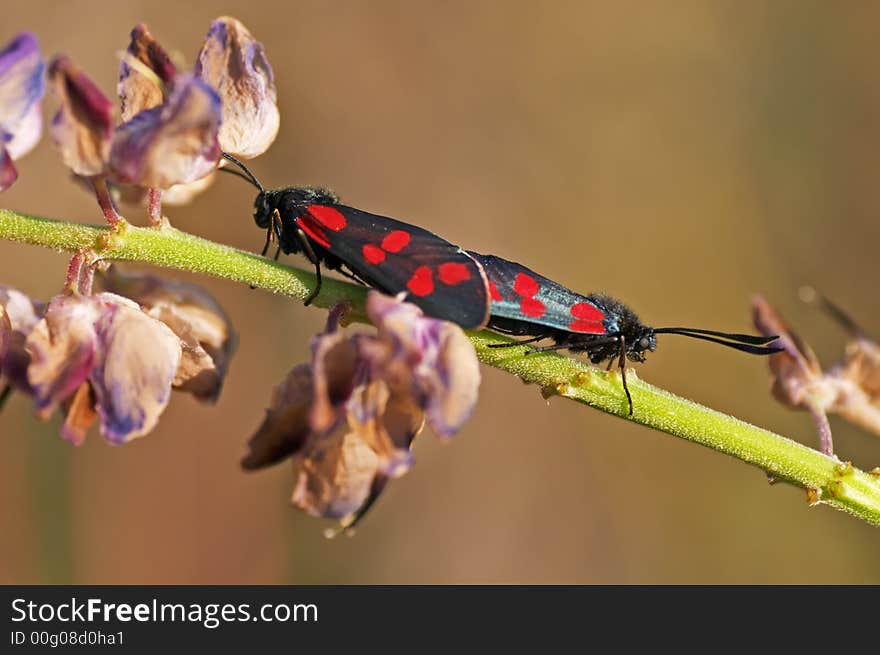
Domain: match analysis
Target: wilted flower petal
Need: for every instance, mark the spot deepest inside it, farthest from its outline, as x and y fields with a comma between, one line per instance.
x=235, y=65
x=183, y=194
x=335, y=477
x=22, y=84
x=134, y=368
x=173, y=143
x=128, y=358
x=334, y=365
x=79, y=414
x=19, y=316
x=350, y=418
x=8, y=174
x=83, y=127
x=446, y=374
x=136, y=91
x=62, y=347
x=193, y=314
x=22, y=81
x=286, y=426
x=797, y=375
x=29, y=131
x=386, y=421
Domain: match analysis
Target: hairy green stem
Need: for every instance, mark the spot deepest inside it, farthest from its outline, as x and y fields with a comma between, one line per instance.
x=827, y=480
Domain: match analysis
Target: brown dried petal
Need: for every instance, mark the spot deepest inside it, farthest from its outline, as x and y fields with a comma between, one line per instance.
x=335, y=477
x=861, y=365
x=286, y=426
x=235, y=65
x=137, y=91
x=367, y=410
x=83, y=127
x=797, y=375
x=80, y=414
x=334, y=365
x=204, y=329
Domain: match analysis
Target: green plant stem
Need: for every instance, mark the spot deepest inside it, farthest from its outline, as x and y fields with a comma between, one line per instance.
x=828, y=480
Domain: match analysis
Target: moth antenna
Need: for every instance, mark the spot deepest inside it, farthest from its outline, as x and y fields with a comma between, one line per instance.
x=237, y=173
x=250, y=176
x=754, y=339
x=742, y=347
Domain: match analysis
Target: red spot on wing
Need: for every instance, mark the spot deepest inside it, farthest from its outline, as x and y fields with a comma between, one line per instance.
x=373, y=254
x=532, y=307
x=452, y=273
x=330, y=218
x=494, y=292
x=311, y=228
x=587, y=327
x=396, y=241
x=422, y=282
x=525, y=285
x=587, y=312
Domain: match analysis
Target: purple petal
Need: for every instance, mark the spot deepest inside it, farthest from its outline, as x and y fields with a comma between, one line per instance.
x=22, y=80
x=450, y=379
x=445, y=370
x=8, y=174
x=174, y=143
x=136, y=91
x=21, y=315
x=63, y=349
x=137, y=357
x=83, y=127
x=28, y=133
x=235, y=65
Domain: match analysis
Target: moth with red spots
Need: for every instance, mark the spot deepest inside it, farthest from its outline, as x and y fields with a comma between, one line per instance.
x=467, y=288
x=390, y=255
x=527, y=304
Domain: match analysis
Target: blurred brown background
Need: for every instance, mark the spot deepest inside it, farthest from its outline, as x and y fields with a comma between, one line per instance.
x=680, y=156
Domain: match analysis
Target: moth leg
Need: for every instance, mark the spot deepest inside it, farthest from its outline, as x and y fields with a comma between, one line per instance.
x=351, y=275
x=273, y=232
x=520, y=343
x=621, y=365
x=269, y=234
x=310, y=253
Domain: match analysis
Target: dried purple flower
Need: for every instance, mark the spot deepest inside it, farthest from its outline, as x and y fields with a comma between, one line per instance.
x=18, y=316
x=349, y=418
x=198, y=320
x=136, y=90
x=83, y=126
x=127, y=359
x=235, y=65
x=173, y=143
x=22, y=84
x=850, y=388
